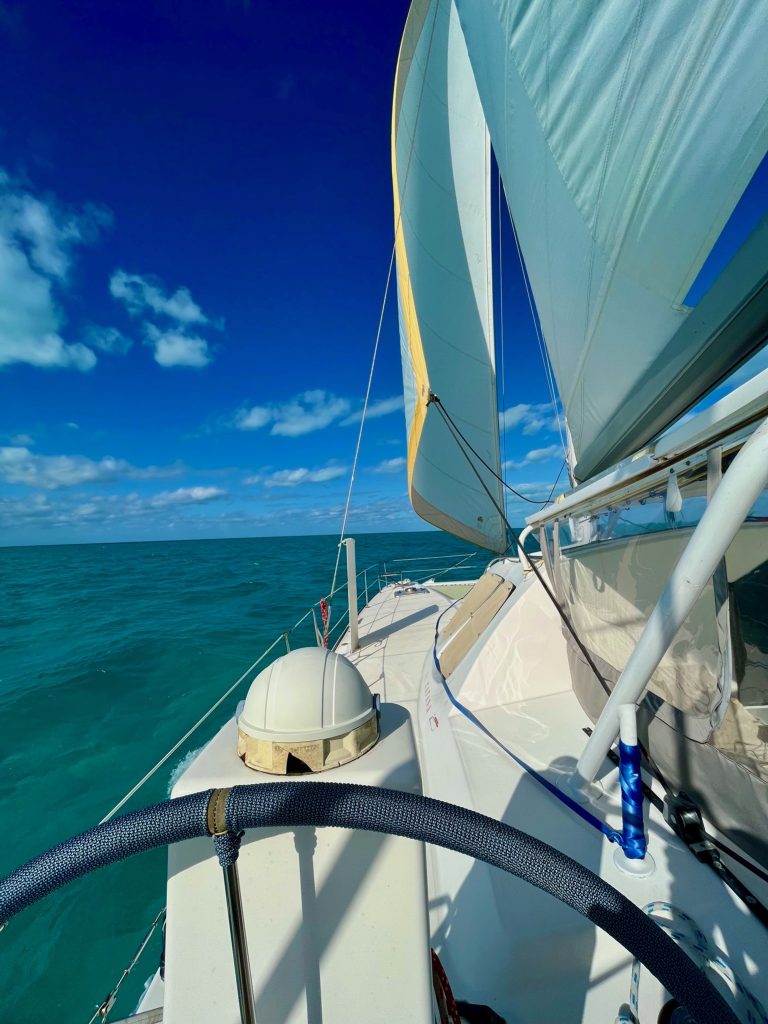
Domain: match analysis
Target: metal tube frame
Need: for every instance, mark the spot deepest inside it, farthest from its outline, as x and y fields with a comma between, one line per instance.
x=740, y=487
x=239, y=945
x=354, y=641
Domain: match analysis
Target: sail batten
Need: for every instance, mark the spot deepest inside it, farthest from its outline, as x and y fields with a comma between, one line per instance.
x=625, y=134
x=441, y=180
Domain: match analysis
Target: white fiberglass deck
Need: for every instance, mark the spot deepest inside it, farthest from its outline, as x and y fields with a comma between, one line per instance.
x=396, y=635
x=502, y=942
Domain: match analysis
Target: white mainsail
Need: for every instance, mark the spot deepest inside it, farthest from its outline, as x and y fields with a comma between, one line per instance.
x=441, y=173
x=625, y=133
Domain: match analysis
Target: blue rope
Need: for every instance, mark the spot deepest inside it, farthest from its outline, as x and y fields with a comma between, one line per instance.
x=610, y=833
x=633, y=838
x=227, y=847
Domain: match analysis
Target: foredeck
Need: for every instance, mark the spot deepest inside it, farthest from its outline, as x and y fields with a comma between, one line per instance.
x=145, y=1017
x=396, y=631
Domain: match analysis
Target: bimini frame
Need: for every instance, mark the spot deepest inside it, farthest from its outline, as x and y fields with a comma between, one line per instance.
x=728, y=422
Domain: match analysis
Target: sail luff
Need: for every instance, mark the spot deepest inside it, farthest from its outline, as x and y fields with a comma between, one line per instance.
x=406, y=306
x=441, y=181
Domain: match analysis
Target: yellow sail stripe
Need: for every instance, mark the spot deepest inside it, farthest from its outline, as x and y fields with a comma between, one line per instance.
x=411, y=33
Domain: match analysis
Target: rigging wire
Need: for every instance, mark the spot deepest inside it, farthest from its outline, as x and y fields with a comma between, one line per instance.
x=547, y=368
x=381, y=313
x=557, y=481
x=532, y=501
x=362, y=421
x=203, y=718
x=121, y=803
x=545, y=586
x=734, y=884
x=104, y=1008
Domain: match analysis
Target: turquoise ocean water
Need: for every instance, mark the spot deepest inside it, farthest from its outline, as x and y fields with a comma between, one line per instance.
x=108, y=654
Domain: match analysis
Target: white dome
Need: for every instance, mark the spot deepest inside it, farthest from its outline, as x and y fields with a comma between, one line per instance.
x=310, y=694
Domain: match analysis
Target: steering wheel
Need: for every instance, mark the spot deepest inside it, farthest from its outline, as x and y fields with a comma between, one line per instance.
x=227, y=813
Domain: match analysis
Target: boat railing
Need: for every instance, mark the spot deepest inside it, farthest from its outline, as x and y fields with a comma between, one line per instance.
x=414, y=569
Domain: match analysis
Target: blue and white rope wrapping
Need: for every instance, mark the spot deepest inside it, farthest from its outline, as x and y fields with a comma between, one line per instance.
x=687, y=933
x=633, y=839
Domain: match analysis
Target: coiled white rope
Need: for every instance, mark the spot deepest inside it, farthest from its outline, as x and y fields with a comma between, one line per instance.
x=689, y=935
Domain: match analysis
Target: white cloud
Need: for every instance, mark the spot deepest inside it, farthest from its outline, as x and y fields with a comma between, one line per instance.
x=30, y=317
x=18, y=465
x=186, y=496
x=529, y=418
x=552, y=451
x=174, y=348
x=381, y=407
x=390, y=465
x=47, y=231
x=254, y=418
x=310, y=411
x=294, y=477
x=102, y=510
x=376, y=513
x=23, y=439
x=22, y=511
x=141, y=293
x=172, y=345
x=107, y=339
x=38, y=240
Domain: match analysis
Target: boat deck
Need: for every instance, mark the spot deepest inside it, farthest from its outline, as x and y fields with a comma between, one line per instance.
x=396, y=632
x=502, y=942
x=497, y=936
x=144, y=1017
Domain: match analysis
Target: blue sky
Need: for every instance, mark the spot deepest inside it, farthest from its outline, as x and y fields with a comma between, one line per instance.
x=195, y=227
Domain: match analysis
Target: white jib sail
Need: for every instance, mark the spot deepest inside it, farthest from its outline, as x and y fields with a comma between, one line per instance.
x=441, y=172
